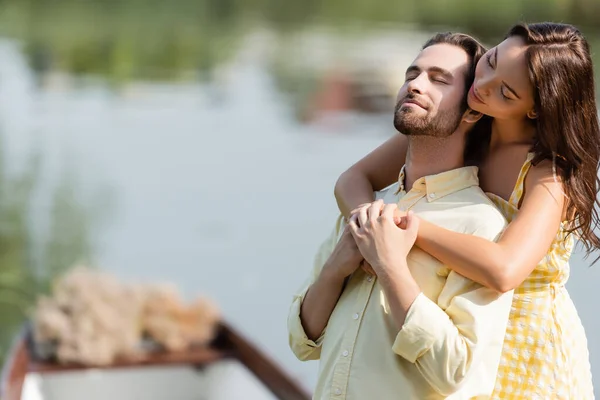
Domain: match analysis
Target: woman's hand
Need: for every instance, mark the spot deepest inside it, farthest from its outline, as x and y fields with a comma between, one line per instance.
x=381, y=242
x=361, y=212
x=399, y=220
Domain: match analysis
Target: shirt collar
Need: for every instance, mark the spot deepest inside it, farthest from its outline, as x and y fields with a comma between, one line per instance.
x=439, y=185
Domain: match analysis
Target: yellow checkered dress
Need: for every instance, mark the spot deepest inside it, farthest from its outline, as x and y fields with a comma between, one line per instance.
x=545, y=354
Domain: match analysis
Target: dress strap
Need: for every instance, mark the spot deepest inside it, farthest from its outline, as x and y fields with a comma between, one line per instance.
x=517, y=193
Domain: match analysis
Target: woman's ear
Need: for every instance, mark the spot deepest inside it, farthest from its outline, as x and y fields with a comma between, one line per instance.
x=471, y=116
x=532, y=114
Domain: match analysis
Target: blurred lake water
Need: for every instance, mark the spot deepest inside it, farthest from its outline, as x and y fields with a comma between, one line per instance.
x=219, y=186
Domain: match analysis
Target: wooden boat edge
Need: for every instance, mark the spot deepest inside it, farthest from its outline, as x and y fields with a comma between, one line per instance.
x=229, y=343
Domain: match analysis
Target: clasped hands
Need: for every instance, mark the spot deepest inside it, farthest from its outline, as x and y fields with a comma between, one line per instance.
x=382, y=234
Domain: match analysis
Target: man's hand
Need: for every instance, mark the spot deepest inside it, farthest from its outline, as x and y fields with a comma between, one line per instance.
x=345, y=259
x=323, y=294
x=383, y=244
x=399, y=219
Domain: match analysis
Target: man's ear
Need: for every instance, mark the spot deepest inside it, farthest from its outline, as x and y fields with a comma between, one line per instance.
x=531, y=114
x=471, y=116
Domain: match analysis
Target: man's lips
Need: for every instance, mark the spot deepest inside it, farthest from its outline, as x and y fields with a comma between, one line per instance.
x=415, y=102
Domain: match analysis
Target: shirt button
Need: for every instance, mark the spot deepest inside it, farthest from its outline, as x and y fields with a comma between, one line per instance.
x=345, y=353
x=369, y=278
x=338, y=391
x=355, y=316
x=432, y=195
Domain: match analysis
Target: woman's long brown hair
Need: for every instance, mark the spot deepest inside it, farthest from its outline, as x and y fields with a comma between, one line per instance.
x=568, y=134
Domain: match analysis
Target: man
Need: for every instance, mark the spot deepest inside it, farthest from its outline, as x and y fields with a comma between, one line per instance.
x=416, y=330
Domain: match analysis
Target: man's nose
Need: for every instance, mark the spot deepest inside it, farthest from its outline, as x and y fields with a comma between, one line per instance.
x=418, y=85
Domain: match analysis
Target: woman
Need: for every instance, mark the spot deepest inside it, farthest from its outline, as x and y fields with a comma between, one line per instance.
x=540, y=166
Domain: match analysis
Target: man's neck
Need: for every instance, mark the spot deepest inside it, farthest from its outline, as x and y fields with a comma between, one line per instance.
x=429, y=155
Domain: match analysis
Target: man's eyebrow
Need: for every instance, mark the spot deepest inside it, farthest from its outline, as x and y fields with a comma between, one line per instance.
x=436, y=70
x=447, y=74
x=413, y=68
x=506, y=84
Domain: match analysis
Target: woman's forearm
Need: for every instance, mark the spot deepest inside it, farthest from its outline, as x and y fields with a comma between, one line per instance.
x=505, y=264
x=476, y=258
x=376, y=171
x=351, y=191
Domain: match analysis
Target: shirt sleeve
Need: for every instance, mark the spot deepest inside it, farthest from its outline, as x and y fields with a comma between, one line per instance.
x=304, y=348
x=449, y=338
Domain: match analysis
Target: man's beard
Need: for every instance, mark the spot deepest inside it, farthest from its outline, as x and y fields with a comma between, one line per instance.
x=443, y=124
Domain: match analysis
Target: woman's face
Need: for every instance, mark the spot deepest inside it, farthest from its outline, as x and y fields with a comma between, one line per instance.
x=502, y=88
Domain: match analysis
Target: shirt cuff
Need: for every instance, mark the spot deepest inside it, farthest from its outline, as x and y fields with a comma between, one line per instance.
x=295, y=327
x=418, y=334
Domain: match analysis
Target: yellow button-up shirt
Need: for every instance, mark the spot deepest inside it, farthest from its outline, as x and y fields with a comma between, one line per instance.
x=451, y=341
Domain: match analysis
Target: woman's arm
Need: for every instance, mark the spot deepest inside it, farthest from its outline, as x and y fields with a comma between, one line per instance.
x=504, y=265
x=377, y=170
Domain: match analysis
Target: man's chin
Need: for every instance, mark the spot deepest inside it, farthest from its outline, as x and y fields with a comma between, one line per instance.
x=412, y=115
x=409, y=130
x=409, y=124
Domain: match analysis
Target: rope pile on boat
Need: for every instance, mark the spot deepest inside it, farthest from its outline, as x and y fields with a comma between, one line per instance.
x=92, y=318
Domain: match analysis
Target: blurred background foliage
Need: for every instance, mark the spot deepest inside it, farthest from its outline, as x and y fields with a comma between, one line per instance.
x=182, y=39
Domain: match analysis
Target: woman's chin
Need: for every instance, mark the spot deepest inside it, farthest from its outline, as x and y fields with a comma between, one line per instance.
x=476, y=106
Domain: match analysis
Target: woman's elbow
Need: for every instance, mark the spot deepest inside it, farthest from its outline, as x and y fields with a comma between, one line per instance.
x=505, y=279
x=339, y=185
x=347, y=190
x=503, y=287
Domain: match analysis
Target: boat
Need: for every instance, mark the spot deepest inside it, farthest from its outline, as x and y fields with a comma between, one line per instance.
x=230, y=368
